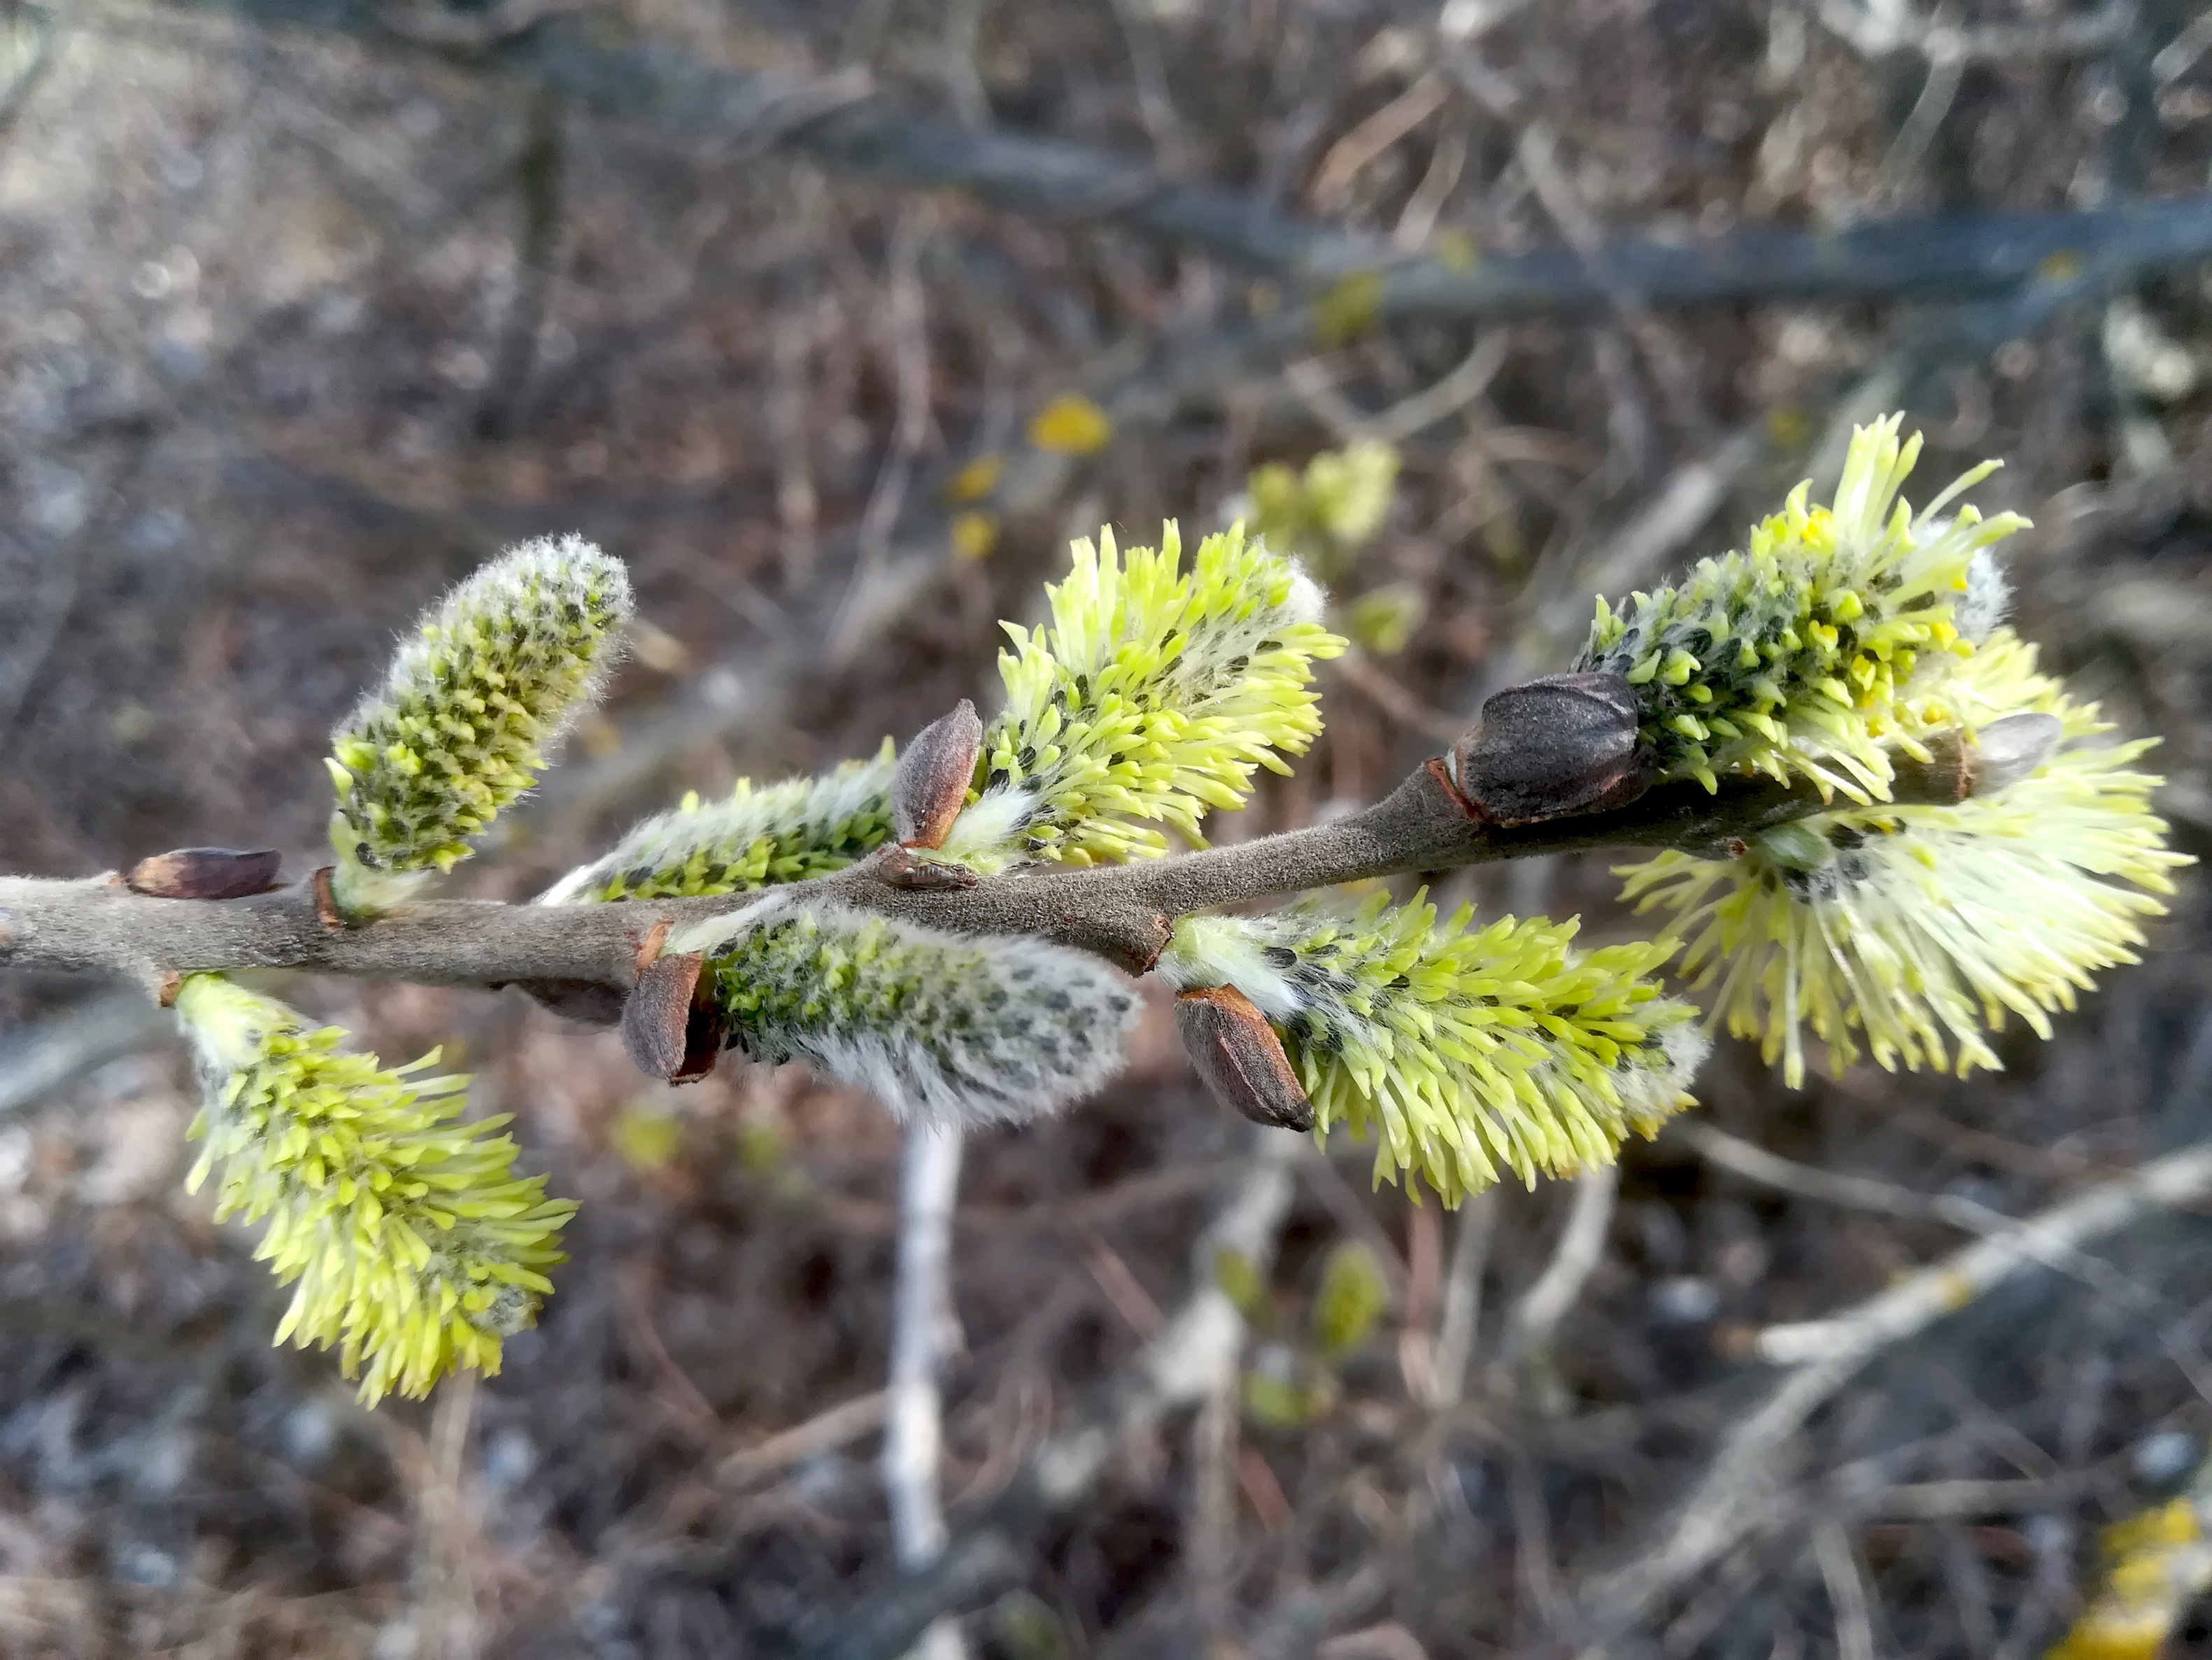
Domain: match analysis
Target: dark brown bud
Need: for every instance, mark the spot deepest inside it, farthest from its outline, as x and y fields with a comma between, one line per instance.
x=1563, y=745
x=672, y=1025
x=1240, y=1057
x=203, y=873
x=931, y=784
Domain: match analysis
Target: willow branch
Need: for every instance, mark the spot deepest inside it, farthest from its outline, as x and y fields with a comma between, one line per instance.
x=1122, y=913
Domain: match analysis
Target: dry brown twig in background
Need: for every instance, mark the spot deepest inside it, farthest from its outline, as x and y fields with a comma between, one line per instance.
x=1736, y=1494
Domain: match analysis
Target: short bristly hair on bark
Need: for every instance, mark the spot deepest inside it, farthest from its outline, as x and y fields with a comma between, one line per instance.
x=1868, y=815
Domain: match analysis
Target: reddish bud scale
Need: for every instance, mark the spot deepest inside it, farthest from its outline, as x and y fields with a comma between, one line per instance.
x=1241, y=1058
x=930, y=786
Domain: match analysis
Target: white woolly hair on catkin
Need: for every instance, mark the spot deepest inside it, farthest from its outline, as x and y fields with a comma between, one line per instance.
x=791, y=808
x=942, y=1028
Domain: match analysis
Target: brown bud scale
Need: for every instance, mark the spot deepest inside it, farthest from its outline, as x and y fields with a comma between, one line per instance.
x=204, y=873
x=1566, y=743
x=656, y=1024
x=326, y=903
x=930, y=784
x=895, y=867
x=1241, y=1058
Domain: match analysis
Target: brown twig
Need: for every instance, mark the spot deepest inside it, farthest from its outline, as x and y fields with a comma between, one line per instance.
x=1122, y=913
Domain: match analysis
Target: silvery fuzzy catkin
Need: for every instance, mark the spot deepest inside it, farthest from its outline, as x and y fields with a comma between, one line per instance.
x=460, y=728
x=756, y=836
x=941, y=1027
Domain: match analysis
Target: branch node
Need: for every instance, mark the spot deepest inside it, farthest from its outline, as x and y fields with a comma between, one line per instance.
x=1440, y=769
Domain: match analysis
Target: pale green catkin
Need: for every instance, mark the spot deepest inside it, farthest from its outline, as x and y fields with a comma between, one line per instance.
x=414, y=1246
x=472, y=700
x=1467, y=1054
x=754, y=837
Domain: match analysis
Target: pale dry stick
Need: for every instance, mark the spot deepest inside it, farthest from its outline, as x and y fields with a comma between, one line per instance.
x=1847, y=1590
x=1462, y=1298
x=1737, y=1491
x=1371, y=681
x=1210, y=1525
x=1148, y=71
x=2179, y=55
x=964, y=82
x=81, y=1039
x=1637, y=552
x=1417, y=1303
x=1418, y=222
x=1439, y=401
x=1536, y=148
x=909, y=323
x=1918, y=131
x=1877, y=31
x=1201, y=1346
x=585, y=956
x=923, y=1332
x=444, y=1619
x=825, y=1431
x=1754, y=1163
x=1535, y=1321
x=1351, y=155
